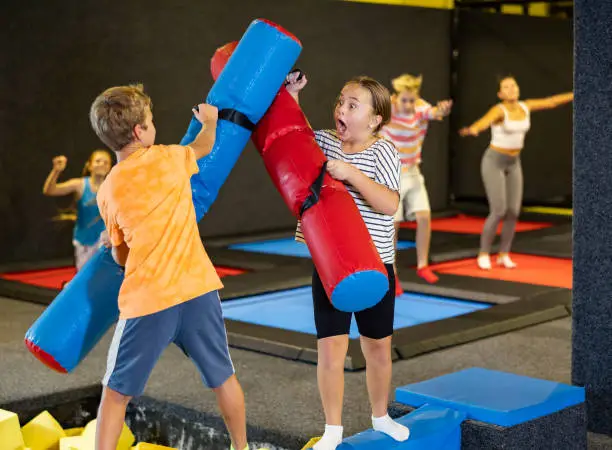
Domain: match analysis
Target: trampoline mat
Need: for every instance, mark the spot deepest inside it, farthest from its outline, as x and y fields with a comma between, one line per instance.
x=289, y=247
x=464, y=224
x=293, y=310
x=54, y=278
x=539, y=270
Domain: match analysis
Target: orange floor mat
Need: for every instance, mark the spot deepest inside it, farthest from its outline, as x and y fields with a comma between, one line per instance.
x=56, y=277
x=531, y=269
x=471, y=225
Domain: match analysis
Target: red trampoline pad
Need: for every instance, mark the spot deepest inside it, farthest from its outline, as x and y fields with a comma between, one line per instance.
x=472, y=225
x=56, y=277
x=531, y=269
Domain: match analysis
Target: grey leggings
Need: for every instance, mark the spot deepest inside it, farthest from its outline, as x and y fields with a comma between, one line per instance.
x=502, y=176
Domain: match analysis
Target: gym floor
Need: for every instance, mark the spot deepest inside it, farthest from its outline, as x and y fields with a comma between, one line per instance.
x=280, y=392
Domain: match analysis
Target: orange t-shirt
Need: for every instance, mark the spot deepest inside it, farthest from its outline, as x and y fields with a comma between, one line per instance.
x=146, y=202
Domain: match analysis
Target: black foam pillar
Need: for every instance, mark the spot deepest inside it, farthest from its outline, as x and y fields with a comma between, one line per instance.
x=592, y=304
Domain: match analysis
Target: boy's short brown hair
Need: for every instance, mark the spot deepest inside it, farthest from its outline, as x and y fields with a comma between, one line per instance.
x=115, y=113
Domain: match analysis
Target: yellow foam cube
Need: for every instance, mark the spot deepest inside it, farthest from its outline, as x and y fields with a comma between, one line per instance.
x=43, y=432
x=512, y=9
x=147, y=446
x=74, y=431
x=10, y=431
x=71, y=443
x=443, y=4
x=539, y=9
x=126, y=440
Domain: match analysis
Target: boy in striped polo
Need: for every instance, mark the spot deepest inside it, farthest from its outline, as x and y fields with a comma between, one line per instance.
x=407, y=129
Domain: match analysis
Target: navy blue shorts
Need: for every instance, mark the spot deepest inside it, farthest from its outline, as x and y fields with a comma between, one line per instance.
x=195, y=326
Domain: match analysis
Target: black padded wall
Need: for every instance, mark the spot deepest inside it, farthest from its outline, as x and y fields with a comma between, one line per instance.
x=538, y=52
x=56, y=57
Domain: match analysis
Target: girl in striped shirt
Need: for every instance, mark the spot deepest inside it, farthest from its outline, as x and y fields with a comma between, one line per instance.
x=407, y=129
x=370, y=168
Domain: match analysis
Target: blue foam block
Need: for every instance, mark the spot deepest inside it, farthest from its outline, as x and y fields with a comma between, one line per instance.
x=292, y=310
x=431, y=428
x=492, y=397
x=290, y=247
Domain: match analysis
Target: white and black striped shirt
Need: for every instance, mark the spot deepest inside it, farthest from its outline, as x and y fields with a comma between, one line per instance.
x=381, y=163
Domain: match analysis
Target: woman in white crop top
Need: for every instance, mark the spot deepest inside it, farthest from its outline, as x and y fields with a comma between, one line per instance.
x=501, y=170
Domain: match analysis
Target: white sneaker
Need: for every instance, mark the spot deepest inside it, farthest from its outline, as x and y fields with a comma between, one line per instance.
x=484, y=262
x=504, y=260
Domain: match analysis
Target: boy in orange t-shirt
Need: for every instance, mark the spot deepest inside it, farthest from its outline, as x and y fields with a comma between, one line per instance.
x=169, y=293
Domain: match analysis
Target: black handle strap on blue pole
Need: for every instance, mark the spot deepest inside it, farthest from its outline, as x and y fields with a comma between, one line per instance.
x=234, y=116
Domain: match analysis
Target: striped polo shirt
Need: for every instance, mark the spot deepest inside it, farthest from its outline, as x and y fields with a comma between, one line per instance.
x=407, y=132
x=381, y=163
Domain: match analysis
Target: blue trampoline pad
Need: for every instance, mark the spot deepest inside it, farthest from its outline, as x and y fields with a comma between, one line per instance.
x=292, y=310
x=290, y=247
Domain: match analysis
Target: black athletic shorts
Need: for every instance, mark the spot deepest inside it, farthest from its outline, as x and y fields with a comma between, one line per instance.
x=375, y=322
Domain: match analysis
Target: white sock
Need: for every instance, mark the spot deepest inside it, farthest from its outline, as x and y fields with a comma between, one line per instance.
x=390, y=427
x=331, y=438
x=484, y=262
x=506, y=261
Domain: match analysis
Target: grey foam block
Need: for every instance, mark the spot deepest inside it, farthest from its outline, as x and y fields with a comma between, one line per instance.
x=565, y=429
